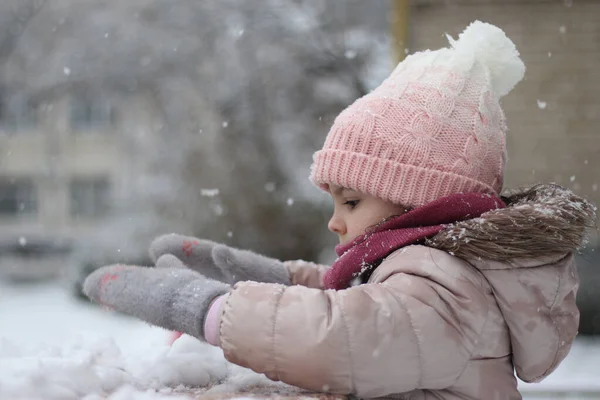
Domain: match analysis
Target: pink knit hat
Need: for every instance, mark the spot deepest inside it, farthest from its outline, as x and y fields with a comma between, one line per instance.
x=434, y=127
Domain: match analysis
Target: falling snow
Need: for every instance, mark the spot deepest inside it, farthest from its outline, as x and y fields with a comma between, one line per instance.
x=209, y=192
x=541, y=104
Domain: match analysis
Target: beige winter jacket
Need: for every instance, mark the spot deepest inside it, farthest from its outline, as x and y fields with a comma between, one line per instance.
x=427, y=324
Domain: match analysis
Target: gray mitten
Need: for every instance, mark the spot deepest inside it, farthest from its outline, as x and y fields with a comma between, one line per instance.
x=176, y=299
x=218, y=261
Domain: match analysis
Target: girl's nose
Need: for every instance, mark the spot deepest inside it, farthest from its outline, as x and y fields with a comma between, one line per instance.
x=336, y=225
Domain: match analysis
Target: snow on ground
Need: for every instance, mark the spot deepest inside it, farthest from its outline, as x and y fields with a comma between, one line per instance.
x=53, y=346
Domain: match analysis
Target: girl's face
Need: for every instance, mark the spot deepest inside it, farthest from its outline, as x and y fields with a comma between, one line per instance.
x=354, y=212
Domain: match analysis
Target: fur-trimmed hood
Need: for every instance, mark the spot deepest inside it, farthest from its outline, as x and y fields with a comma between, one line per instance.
x=545, y=221
x=525, y=251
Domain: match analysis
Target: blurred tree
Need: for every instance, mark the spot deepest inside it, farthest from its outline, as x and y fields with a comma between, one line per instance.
x=14, y=17
x=245, y=91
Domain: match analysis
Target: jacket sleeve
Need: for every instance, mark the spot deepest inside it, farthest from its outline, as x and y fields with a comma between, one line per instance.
x=306, y=273
x=371, y=340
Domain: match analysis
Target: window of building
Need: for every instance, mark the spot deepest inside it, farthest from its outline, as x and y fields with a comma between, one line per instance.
x=90, y=112
x=17, y=197
x=89, y=197
x=17, y=115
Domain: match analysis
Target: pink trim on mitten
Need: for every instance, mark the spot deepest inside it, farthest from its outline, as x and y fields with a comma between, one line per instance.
x=174, y=336
x=212, y=322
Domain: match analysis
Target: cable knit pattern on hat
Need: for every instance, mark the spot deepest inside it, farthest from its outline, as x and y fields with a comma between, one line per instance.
x=434, y=127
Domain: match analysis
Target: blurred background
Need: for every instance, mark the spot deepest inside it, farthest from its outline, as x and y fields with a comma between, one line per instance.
x=123, y=120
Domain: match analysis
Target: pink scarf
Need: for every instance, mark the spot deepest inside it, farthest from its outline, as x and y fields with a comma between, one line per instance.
x=424, y=222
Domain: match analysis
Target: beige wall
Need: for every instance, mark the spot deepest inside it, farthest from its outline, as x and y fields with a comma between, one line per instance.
x=560, y=44
x=52, y=155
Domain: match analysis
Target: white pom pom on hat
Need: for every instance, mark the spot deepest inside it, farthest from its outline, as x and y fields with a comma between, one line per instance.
x=491, y=47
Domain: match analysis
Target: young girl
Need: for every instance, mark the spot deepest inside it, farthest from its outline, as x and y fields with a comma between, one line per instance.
x=442, y=288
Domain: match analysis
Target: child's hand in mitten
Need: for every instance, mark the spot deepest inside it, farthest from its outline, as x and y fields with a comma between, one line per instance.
x=218, y=261
x=175, y=299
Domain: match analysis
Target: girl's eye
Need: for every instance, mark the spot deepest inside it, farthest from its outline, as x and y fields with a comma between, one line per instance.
x=351, y=203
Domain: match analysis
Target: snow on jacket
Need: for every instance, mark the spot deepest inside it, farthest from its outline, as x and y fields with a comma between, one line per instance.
x=451, y=319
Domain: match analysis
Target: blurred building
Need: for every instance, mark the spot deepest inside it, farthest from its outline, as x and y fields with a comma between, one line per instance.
x=66, y=164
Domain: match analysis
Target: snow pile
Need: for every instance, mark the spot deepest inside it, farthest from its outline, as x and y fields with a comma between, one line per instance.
x=55, y=347
x=93, y=366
